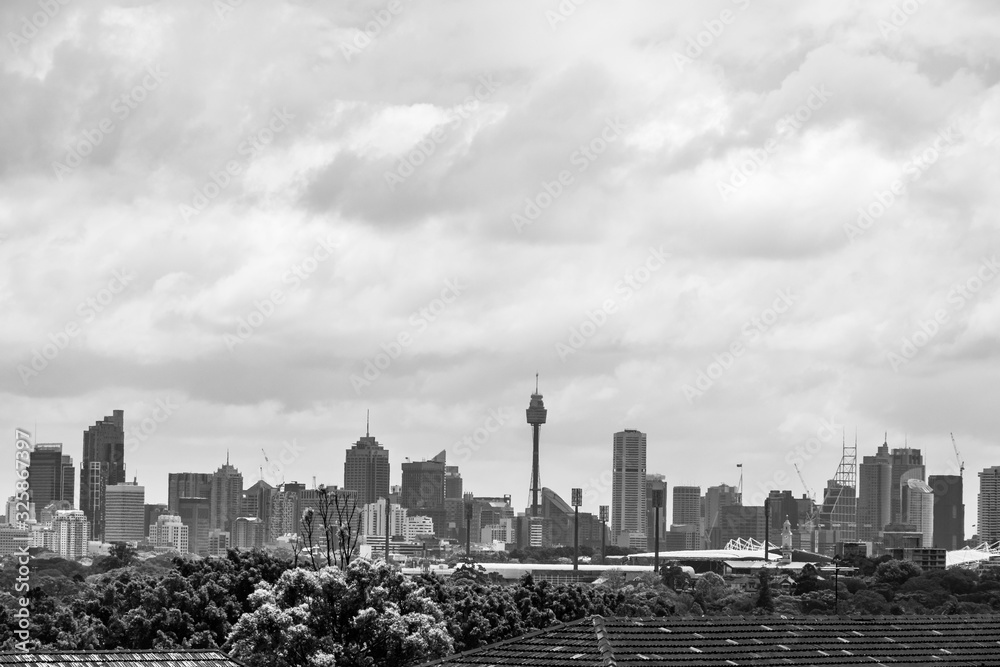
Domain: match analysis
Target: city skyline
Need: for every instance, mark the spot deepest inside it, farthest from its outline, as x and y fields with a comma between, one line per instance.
x=904, y=465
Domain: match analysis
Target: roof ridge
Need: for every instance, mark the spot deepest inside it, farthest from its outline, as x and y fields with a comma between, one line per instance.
x=603, y=643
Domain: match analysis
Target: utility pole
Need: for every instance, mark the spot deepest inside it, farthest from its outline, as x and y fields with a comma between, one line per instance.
x=767, y=526
x=577, y=501
x=657, y=502
x=604, y=532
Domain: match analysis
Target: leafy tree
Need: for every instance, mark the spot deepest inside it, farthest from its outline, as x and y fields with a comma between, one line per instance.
x=895, y=573
x=765, y=601
x=368, y=614
x=807, y=580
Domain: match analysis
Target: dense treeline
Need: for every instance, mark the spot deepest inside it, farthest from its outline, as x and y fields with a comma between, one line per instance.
x=266, y=612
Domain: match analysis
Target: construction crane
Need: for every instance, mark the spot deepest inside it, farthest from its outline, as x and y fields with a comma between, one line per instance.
x=269, y=463
x=958, y=457
x=811, y=518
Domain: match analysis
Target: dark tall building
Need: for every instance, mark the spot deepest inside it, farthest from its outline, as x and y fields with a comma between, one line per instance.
x=738, y=521
x=536, y=414
x=366, y=470
x=69, y=480
x=103, y=465
x=227, y=490
x=424, y=490
x=784, y=505
x=874, y=495
x=687, y=504
x=657, y=482
x=195, y=513
x=949, y=512
x=45, y=481
x=187, y=485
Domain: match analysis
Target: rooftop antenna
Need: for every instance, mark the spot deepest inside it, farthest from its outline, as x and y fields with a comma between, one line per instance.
x=536, y=383
x=368, y=423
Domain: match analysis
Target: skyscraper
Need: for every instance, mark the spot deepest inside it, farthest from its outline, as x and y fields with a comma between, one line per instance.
x=68, y=480
x=424, y=490
x=366, y=470
x=124, y=513
x=195, y=513
x=169, y=532
x=717, y=497
x=628, y=489
x=874, y=495
x=687, y=505
x=187, y=485
x=536, y=414
x=917, y=502
x=256, y=502
x=45, y=480
x=949, y=511
x=989, y=505
x=103, y=464
x=907, y=464
x=227, y=490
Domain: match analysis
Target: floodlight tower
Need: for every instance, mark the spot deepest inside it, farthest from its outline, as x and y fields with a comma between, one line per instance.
x=536, y=413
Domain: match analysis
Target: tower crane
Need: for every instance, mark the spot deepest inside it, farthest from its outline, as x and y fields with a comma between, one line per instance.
x=961, y=463
x=811, y=519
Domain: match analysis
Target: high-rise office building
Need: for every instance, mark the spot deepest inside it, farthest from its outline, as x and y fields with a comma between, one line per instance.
x=103, y=464
x=68, y=480
x=424, y=490
x=72, y=530
x=226, y=492
x=907, y=463
x=949, y=511
x=248, y=533
x=628, y=489
x=874, y=495
x=687, y=505
x=738, y=522
x=256, y=502
x=366, y=470
x=124, y=513
x=917, y=502
x=284, y=516
x=989, y=505
x=717, y=497
x=195, y=513
x=187, y=485
x=45, y=474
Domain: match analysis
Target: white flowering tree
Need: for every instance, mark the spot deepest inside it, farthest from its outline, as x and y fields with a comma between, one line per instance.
x=366, y=615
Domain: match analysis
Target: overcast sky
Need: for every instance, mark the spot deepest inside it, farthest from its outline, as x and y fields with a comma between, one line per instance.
x=734, y=225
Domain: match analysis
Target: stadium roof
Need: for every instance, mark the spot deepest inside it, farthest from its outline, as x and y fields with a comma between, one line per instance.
x=755, y=641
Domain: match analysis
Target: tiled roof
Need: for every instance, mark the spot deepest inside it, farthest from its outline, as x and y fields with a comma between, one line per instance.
x=180, y=658
x=755, y=641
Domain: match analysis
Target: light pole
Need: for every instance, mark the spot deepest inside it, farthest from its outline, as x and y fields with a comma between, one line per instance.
x=577, y=501
x=836, y=585
x=657, y=503
x=767, y=526
x=604, y=531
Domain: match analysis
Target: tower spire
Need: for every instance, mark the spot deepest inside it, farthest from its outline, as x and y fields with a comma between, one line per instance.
x=368, y=422
x=536, y=382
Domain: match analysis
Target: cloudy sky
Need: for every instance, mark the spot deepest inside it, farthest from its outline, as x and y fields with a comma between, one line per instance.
x=743, y=228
